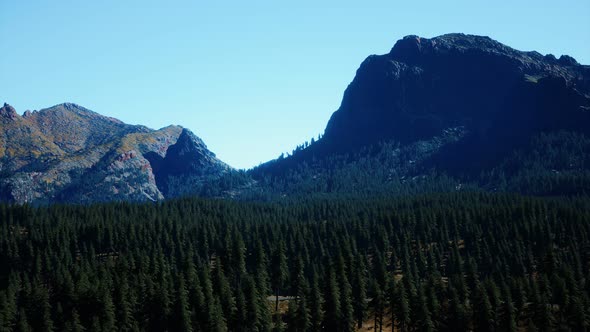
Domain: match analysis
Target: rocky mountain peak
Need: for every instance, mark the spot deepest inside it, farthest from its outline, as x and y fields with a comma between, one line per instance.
x=189, y=143
x=424, y=86
x=410, y=48
x=68, y=153
x=8, y=112
x=415, y=50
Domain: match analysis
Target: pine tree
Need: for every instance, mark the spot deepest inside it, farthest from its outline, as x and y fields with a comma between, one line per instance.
x=240, y=317
x=508, y=317
x=378, y=306
x=252, y=319
x=7, y=311
x=299, y=313
x=74, y=324
x=577, y=314
x=359, y=291
x=483, y=315
x=279, y=276
x=316, y=304
x=23, y=323
x=264, y=320
x=262, y=287
x=215, y=320
x=392, y=298
x=403, y=308
x=183, y=314
x=125, y=318
x=223, y=290
x=423, y=317
x=346, y=318
x=331, y=302
x=457, y=317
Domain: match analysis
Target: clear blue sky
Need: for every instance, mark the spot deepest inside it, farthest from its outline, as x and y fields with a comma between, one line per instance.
x=252, y=78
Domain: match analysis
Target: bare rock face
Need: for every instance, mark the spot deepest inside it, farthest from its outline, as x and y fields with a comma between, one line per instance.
x=188, y=162
x=67, y=153
x=501, y=96
x=8, y=112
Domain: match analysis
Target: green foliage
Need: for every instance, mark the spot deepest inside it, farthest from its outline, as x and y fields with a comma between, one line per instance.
x=451, y=262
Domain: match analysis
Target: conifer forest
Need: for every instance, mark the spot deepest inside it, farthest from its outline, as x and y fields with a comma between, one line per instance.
x=446, y=262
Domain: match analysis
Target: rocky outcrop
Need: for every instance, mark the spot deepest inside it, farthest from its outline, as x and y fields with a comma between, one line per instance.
x=68, y=153
x=187, y=164
x=8, y=112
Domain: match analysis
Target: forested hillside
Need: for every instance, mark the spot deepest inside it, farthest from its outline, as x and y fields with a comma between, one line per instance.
x=548, y=164
x=450, y=262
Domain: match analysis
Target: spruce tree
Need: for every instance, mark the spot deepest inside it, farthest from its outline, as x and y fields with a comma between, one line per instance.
x=316, y=304
x=483, y=315
x=403, y=308
x=359, y=291
x=182, y=313
x=331, y=302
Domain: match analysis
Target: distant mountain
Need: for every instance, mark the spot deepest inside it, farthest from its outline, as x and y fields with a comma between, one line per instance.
x=455, y=112
x=67, y=153
x=465, y=108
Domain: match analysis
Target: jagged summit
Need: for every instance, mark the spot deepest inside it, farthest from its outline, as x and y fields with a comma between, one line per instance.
x=8, y=112
x=68, y=153
x=415, y=50
x=457, y=41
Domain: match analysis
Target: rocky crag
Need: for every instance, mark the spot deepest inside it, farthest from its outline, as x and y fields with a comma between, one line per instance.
x=67, y=153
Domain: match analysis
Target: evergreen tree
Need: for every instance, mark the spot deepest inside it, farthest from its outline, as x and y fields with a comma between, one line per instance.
x=183, y=314
x=359, y=291
x=392, y=297
x=457, y=317
x=279, y=276
x=316, y=304
x=108, y=319
x=378, y=306
x=483, y=315
x=74, y=324
x=23, y=323
x=423, y=317
x=403, y=308
x=331, y=302
x=346, y=318
x=508, y=316
x=215, y=321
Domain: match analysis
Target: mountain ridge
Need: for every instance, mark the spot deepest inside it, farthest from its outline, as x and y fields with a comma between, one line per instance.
x=433, y=114
x=67, y=153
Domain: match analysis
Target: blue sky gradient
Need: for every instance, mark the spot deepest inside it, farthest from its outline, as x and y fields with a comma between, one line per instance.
x=251, y=78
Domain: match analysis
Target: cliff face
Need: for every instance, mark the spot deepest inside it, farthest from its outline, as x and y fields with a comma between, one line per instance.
x=497, y=95
x=67, y=153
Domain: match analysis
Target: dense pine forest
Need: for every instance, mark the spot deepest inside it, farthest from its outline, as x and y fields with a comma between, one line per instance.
x=448, y=262
x=547, y=164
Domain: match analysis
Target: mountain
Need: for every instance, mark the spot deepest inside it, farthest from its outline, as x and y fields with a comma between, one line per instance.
x=67, y=153
x=450, y=113
x=465, y=108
